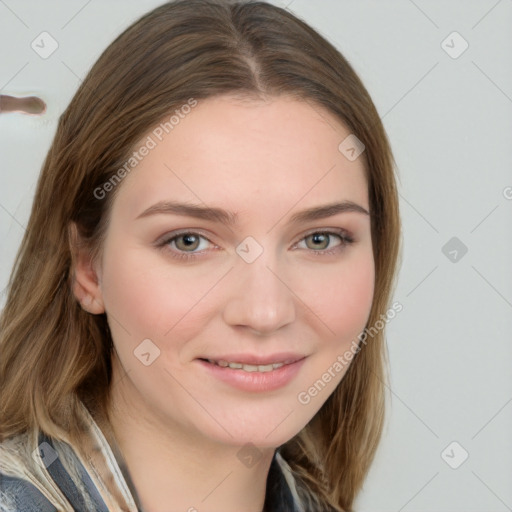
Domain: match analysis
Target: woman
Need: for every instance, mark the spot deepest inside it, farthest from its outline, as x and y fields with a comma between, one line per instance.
x=214, y=234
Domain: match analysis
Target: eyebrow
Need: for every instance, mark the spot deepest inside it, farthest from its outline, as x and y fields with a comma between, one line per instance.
x=230, y=218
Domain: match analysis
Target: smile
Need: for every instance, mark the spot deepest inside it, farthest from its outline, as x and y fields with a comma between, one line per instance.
x=248, y=367
x=254, y=375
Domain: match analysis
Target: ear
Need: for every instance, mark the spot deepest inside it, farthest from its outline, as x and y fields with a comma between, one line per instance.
x=86, y=284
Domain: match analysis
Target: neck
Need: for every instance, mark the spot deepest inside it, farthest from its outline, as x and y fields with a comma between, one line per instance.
x=169, y=465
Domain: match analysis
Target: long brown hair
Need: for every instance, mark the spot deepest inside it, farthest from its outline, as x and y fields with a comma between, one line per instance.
x=54, y=353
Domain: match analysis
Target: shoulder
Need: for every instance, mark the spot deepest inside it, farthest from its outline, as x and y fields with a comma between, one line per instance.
x=39, y=473
x=17, y=493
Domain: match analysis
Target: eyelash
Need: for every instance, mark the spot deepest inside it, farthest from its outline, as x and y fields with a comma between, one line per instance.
x=345, y=238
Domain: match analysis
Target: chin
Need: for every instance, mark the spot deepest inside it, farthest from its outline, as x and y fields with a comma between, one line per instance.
x=262, y=430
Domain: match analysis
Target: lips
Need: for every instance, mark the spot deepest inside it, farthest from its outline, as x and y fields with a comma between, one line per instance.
x=255, y=374
x=252, y=363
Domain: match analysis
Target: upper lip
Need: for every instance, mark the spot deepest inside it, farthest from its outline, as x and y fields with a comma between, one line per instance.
x=257, y=360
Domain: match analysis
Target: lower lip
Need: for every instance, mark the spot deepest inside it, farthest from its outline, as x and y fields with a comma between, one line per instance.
x=254, y=381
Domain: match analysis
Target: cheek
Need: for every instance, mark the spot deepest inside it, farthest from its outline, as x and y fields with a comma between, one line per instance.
x=343, y=307
x=352, y=303
x=148, y=298
x=342, y=297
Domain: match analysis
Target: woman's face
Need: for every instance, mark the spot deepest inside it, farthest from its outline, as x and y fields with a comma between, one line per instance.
x=180, y=289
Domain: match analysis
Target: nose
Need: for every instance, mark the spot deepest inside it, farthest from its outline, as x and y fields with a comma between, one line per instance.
x=262, y=300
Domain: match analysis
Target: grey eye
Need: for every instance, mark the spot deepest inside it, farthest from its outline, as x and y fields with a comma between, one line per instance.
x=190, y=240
x=319, y=240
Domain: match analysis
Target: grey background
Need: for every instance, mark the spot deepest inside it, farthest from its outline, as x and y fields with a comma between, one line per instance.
x=450, y=125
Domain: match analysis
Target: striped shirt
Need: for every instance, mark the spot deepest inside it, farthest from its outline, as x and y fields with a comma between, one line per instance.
x=42, y=474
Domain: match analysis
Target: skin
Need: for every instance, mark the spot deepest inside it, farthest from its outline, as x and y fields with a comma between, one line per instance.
x=178, y=427
x=28, y=105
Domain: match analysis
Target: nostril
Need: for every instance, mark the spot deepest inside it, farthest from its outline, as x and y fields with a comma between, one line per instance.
x=28, y=105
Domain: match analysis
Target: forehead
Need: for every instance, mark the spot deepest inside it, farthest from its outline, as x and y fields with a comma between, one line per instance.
x=246, y=155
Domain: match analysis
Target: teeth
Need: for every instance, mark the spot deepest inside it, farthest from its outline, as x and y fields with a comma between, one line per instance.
x=247, y=367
